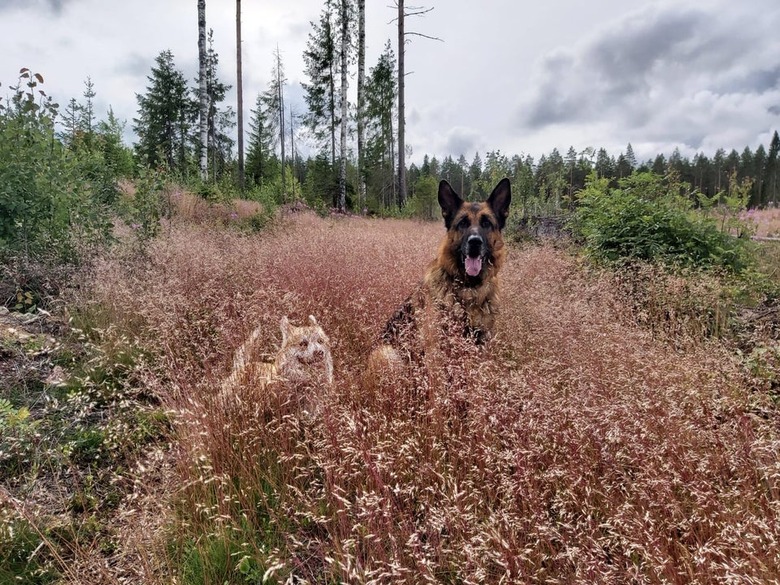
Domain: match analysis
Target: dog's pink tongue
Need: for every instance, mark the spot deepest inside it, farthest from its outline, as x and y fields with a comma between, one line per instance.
x=473, y=266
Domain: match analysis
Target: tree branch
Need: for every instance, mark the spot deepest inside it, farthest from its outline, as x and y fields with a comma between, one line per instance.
x=416, y=34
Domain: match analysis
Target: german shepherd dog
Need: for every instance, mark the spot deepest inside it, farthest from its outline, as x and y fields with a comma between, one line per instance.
x=462, y=280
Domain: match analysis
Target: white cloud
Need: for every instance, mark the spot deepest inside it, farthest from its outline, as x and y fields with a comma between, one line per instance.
x=519, y=77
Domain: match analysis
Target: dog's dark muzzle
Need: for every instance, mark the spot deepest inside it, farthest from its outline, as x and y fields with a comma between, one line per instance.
x=474, y=246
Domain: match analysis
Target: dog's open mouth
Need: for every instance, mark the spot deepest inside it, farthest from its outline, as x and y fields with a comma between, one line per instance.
x=473, y=265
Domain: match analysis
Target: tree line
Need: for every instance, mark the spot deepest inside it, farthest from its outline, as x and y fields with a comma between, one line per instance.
x=551, y=182
x=369, y=172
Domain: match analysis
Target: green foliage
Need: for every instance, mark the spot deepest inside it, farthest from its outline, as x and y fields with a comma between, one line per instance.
x=321, y=185
x=49, y=208
x=424, y=204
x=21, y=559
x=143, y=211
x=166, y=114
x=647, y=218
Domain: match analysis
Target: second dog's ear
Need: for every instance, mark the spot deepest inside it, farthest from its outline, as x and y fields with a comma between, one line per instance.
x=449, y=201
x=285, y=326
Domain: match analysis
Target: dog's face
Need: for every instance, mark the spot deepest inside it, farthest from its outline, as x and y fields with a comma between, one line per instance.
x=305, y=353
x=473, y=242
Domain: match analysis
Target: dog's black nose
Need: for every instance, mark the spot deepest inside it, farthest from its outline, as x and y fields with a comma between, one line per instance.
x=474, y=244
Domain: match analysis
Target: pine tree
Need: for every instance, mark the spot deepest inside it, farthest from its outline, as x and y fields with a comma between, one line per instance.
x=381, y=93
x=605, y=164
x=71, y=121
x=630, y=157
x=321, y=61
x=273, y=106
x=475, y=173
x=219, y=122
x=165, y=116
x=465, y=181
x=88, y=109
x=772, y=167
x=759, y=163
x=260, y=161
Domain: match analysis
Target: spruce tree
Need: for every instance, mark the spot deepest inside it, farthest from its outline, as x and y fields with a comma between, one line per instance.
x=771, y=183
x=165, y=116
x=381, y=93
x=321, y=62
x=219, y=121
x=260, y=160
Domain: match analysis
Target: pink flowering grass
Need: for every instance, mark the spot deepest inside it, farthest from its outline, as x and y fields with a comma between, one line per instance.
x=766, y=221
x=577, y=447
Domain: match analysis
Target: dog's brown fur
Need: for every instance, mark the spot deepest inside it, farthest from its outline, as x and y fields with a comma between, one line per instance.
x=303, y=358
x=473, y=241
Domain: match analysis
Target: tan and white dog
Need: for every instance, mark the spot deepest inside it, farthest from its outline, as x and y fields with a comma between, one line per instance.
x=304, y=358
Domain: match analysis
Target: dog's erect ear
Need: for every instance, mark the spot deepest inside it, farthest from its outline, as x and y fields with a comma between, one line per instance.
x=312, y=321
x=285, y=326
x=499, y=201
x=449, y=201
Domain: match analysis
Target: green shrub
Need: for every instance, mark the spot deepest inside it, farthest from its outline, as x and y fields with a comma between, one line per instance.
x=424, y=204
x=48, y=207
x=647, y=218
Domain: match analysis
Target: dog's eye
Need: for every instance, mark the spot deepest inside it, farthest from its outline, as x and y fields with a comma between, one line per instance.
x=464, y=223
x=304, y=343
x=486, y=223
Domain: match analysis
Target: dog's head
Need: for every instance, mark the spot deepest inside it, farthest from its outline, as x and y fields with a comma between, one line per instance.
x=473, y=245
x=305, y=353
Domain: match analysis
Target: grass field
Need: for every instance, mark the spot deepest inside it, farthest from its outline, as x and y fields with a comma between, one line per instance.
x=576, y=447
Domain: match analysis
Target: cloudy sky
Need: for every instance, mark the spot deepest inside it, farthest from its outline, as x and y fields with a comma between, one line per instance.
x=521, y=77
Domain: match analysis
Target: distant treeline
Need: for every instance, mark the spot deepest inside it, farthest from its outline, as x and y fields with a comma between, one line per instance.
x=553, y=180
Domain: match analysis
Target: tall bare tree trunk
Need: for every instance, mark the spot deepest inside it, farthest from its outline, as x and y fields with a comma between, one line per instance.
x=202, y=92
x=240, y=93
x=280, y=89
x=401, y=106
x=292, y=152
x=361, y=81
x=342, y=206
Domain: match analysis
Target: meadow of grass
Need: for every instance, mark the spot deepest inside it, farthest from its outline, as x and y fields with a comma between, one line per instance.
x=766, y=221
x=577, y=447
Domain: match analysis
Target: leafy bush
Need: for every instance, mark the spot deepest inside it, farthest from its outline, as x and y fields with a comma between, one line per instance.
x=48, y=208
x=647, y=218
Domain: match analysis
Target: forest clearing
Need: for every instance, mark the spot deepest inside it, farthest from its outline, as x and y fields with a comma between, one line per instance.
x=214, y=366
x=580, y=445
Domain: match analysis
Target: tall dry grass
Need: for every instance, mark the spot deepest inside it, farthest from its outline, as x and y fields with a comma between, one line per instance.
x=575, y=448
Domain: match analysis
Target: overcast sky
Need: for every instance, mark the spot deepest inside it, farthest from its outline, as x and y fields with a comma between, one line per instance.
x=522, y=77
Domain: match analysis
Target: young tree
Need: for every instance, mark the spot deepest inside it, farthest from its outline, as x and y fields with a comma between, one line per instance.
x=71, y=122
x=165, y=116
x=88, y=120
x=772, y=168
x=273, y=103
x=260, y=161
x=203, y=146
x=381, y=93
x=219, y=144
x=321, y=61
